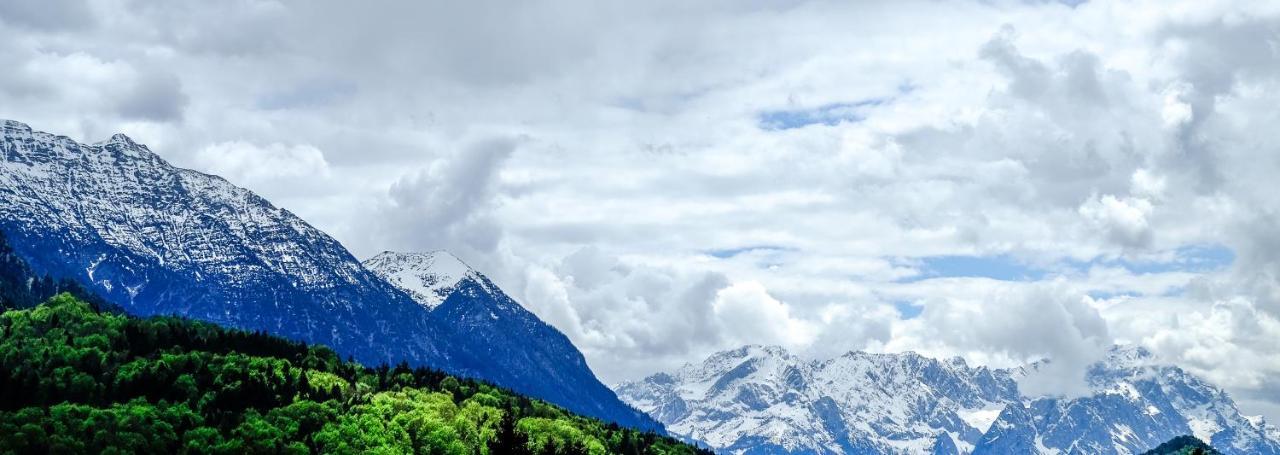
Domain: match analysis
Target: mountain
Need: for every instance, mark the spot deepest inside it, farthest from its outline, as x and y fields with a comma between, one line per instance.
x=763, y=400
x=486, y=327
x=75, y=380
x=155, y=239
x=1137, y=403
x=1183, y=445
x=427, y=277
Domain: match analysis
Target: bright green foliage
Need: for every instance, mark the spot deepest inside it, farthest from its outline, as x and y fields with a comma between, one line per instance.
x=76, y=380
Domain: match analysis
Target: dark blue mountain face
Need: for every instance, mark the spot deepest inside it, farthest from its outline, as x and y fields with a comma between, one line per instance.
x=155, y=239
x=487, y=327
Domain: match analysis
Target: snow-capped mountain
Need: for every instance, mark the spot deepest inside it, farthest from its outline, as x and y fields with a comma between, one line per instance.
x=763, y=400
x=490, y=329
x=1137, y=404
x=427, y=277
x=156, y=239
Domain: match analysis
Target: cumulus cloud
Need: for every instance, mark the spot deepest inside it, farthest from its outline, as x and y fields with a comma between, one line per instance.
x=1123, y=220
x=1016, y=324
x=449, y=203
x=754, y=316
x=629, y=318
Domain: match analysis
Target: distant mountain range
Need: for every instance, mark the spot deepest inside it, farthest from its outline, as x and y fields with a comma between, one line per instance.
x=156, y=239
x=764, y=400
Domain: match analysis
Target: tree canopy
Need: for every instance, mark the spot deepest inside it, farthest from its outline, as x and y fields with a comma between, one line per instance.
x=76, y=379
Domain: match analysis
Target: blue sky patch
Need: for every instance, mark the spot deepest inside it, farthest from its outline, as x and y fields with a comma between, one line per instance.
x=731, y=252
x=1197, y=258
x=1194, y=258
x=829, y=114
x=1103, y=295
x=908, y=310
x=1000, y=267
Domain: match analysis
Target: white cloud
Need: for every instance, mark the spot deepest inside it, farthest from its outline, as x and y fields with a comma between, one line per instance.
x=1176, y=112
x=448, y=204
x=754, y=317
x=1013, y=324
x=1123, y=220
x=243, y=161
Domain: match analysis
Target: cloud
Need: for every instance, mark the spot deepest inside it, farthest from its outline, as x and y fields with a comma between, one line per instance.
x=629, y=318
x=449, y=203
x=755, y=317
x=155, y=97
x=1124, y=220
x=1022, y=323
x=242, y=161
x=48, y=14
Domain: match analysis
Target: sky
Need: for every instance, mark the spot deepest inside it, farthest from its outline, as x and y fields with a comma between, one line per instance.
x=1003, y=181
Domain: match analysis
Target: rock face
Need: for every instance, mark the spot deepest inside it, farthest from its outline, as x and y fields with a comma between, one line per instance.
x=764, y=400
x=487, y=328
x=1137, y=404
x=156, y=239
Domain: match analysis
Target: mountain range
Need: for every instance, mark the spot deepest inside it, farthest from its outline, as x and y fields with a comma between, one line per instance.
x=155, y=239
x=765, y=400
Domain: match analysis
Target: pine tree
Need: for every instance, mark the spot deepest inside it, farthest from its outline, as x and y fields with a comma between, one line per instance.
x=508, y=439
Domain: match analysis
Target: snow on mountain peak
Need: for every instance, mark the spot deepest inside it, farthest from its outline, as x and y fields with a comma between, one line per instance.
x=121, y=139
x=1130, y=356
x=427, y=277
x=758, y=399
x=14, y=125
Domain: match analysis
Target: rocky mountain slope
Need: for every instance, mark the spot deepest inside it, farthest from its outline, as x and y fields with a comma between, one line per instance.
x=485, y=326
x=156, y=239
x=759, y=400
x=1137, y=403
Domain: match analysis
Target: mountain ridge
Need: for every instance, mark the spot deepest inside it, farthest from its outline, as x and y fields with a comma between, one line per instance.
x=757, y=399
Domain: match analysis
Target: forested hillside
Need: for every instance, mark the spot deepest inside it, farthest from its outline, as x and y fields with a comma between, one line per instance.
x=74, y=379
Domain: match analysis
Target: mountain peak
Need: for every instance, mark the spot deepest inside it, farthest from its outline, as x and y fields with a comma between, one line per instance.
x=120, y=138
x=762, y=350
x=429, y=277
x=1129, y=356
x=14, y=125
